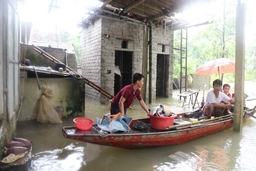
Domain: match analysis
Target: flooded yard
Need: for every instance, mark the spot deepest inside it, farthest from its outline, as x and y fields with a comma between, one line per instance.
x=224, y=151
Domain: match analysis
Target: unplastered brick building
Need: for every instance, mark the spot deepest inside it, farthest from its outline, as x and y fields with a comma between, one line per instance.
x=112, y=51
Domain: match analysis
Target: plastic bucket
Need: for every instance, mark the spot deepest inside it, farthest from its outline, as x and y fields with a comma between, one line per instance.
x=83, y=123
x=161, y=123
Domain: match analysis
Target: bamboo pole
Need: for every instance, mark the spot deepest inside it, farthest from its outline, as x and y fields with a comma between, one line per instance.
x=200, y=122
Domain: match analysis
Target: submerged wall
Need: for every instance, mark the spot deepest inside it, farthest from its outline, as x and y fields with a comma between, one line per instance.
x=68, y=97
x=68, y=92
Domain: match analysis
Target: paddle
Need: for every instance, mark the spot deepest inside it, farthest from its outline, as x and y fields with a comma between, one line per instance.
x=251, y=112
x=250, y=115
x=203, y=121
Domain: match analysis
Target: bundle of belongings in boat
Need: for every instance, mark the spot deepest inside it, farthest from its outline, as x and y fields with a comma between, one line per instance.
x=158, y=111
x=114, y=123
x=15, y=151
x=140, y=125
x=198, y=114
x=161, y=110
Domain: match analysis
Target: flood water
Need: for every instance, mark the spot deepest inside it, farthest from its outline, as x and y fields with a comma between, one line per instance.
x=224, y=151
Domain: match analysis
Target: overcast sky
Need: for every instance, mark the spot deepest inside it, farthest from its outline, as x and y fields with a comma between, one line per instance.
x=66, y=15
x=69, y=13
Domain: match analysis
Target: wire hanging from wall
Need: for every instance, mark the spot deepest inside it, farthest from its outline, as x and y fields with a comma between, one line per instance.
x=122, y=30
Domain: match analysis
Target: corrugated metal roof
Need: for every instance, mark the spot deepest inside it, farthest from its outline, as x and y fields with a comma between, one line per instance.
x=142, y=11
x=151, y=9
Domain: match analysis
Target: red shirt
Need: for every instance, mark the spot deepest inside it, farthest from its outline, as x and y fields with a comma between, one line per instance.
x=229, y=95
x=128, y=93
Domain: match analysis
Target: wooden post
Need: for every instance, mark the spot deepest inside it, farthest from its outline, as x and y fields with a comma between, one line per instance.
x=223, y=37
x=145, y=61
x=239, y=73
x=150, y=65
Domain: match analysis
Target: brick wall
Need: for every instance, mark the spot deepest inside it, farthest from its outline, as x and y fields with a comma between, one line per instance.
x=91, y=57
x=201, y=82
x=162, y=36
x=119, y=29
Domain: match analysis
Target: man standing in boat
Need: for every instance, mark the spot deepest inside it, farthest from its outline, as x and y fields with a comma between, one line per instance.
x=216, y=102
x=125, y=97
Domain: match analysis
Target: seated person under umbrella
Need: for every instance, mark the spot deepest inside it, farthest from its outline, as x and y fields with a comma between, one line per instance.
x=217, y=102
x=226, y=88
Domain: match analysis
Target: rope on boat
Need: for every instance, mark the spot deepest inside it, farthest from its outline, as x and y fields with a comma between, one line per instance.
x=102, y=133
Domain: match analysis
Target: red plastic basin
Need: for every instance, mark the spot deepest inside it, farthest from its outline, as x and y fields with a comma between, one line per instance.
x=83, y=123
x=161, y=123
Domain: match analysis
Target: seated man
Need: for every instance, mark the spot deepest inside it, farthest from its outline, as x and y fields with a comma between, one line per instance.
x=216, y=101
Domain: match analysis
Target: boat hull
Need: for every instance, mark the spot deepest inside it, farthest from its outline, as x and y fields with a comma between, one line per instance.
x=149, y=139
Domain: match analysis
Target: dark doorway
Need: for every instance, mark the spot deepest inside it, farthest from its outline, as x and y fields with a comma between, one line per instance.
x=123, y=59
x=162, y=75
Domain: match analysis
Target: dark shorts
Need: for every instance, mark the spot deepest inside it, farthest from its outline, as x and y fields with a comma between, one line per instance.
x=209, y=110
x=115, y=109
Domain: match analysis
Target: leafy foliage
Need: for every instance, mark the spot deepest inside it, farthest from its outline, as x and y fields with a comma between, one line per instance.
x=216, y=40
x=74, y=39
x=62, y=36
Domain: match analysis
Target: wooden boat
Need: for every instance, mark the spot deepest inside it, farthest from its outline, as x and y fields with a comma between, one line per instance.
x=176, y=134
x=21, y=164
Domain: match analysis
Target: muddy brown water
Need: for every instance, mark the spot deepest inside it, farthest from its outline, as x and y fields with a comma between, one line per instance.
x=224, y=151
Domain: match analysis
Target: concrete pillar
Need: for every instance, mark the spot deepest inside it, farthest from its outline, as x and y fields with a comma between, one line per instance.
x=145, y=60
x=239, y=73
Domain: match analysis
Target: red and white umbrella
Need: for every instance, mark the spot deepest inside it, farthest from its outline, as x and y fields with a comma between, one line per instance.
x=216, y=66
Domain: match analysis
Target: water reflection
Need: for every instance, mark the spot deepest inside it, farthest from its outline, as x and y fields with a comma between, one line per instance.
x=69, y=158
x=222, y=151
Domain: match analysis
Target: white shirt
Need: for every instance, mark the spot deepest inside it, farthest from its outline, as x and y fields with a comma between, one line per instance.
x=210, y=98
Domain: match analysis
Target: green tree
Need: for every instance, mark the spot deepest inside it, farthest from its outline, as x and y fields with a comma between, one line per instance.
x=212, y=41
x=74, y=40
